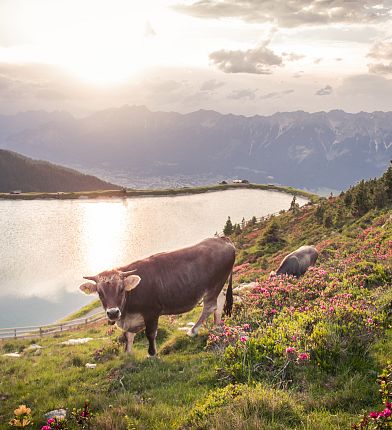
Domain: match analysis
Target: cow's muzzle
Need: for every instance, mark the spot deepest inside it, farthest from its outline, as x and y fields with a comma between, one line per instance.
x=113, y=314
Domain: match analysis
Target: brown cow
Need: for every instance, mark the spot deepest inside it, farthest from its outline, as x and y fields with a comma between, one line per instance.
x=170, y=283
x=298, y=262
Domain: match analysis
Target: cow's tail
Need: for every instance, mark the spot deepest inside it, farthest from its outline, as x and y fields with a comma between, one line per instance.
x=229, y=297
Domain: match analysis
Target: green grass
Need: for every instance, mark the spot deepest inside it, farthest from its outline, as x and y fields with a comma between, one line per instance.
x=155, y=392
x=189, y=385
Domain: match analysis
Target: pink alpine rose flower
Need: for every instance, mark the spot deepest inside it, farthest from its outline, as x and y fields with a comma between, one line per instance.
x=304, y=356
x=387, y=412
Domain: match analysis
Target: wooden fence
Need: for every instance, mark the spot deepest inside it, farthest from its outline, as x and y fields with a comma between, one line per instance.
x=49, y=329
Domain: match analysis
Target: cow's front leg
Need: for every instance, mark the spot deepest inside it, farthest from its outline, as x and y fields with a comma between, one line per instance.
x=151, y=333
x=129, y=338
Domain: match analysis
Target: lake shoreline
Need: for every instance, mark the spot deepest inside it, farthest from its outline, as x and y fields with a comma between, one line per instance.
x=167, y=192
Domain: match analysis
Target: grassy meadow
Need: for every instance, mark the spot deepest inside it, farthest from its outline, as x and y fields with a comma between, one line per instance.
x=299, y=354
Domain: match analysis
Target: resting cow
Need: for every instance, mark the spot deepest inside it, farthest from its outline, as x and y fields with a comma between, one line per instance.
x=298, y=262
x=170, y=283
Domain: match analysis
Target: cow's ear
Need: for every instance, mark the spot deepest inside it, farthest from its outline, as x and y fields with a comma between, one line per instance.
x=88, y=288
x=131, y=282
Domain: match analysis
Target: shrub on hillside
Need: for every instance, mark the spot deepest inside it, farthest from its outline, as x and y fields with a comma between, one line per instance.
x=380, y=420
x=324, y=317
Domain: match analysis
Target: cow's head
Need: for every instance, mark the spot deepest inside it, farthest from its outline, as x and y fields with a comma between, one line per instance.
x=112, y=287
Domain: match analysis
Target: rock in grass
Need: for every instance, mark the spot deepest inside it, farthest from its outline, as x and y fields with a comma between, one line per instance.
x=91, y=365
x=77, y=341
x=34, y=347
x=12, y=354
x=56, y=413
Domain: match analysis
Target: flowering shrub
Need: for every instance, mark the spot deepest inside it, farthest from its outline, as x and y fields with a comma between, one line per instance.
x=381, y=420
x=263, y=356
x=83, y=416
x=220, y=337
x=325, y=318
x=55, y=423
x=22, y=417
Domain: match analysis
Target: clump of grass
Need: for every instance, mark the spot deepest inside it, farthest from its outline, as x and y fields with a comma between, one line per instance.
x=245, y=407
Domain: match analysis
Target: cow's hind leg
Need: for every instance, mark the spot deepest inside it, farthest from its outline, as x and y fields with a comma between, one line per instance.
x=208, y=308
x=219, y=308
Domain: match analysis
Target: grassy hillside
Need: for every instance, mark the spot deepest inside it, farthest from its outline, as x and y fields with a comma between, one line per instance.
x=296, y=354
x=22, y=173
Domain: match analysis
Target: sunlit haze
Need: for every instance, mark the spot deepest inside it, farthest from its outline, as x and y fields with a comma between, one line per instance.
x=244, y=57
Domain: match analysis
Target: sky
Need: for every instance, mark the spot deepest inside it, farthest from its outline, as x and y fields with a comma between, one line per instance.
x=240, y=56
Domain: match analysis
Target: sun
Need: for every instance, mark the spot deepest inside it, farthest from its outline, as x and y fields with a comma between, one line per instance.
x=99, y=42
x=104, y=65
x=104, y=52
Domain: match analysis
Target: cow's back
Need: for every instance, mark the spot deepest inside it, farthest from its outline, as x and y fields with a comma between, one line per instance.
x=298, y=261
x=174, y=282
x=289, y=266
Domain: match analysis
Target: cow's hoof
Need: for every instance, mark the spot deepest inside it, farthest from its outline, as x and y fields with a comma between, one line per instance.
x=154, y=357
x=191, y=333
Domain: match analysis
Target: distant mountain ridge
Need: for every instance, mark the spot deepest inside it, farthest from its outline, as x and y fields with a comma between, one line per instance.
x=22, y=173
x=305, y=150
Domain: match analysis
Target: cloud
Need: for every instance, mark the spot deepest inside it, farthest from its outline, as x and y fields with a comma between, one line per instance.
x=380, y=68
x=148, y=30
x=292, y=13
x=165, y=86
x=50, y=94
x=246, y=94
x=299, y=74
x=368, y=88
x=326, y=91
x=381, y=52
x=17, y=89
x=275, y=94
x=269, y=96
x=291, y=56
x=211, y=85
x=259, y=60
x=39, y=86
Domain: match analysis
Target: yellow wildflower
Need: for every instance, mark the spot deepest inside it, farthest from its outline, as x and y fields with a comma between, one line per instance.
x=22, y=417
x=22, y=410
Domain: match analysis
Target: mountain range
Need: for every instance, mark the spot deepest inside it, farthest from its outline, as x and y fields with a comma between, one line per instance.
x=306, y=150
x=24, y=174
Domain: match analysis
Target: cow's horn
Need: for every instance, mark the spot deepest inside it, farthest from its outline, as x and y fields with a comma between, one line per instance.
x=126, y=274
x=91, y=278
